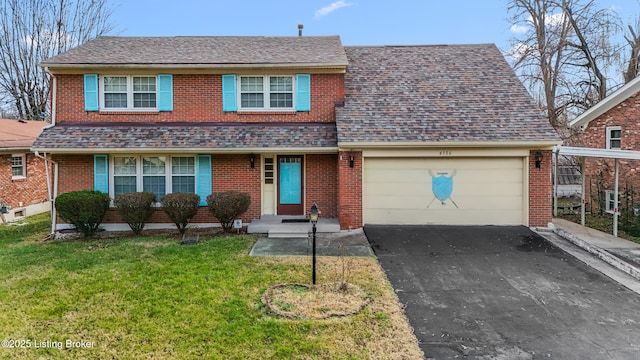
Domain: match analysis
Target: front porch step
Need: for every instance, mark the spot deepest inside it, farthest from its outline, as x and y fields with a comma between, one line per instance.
x=287, y=234
x=270, y=224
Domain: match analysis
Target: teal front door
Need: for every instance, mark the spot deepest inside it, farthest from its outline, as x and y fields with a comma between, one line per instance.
x=290, y=185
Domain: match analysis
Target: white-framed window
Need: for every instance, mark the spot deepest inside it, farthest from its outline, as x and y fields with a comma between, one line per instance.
x=128, y=92
x=610, y=201
x=159, y=174
x=614, y=137
x=262, y=92
x=18, y=166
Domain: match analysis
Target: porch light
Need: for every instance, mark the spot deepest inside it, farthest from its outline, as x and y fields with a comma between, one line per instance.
x=314, y=213
x=351, y=158
x=538, y=159
x=252, y=161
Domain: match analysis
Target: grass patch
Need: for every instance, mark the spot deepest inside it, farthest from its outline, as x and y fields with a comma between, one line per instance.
x=149, y=297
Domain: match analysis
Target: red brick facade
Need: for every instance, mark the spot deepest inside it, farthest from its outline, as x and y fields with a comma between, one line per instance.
x=229, y=172
x=350, y=191
x=329, y=178
x=626, y=115
x=540, y=190
x=321, y=183
x=197, y=98
x=23, y=192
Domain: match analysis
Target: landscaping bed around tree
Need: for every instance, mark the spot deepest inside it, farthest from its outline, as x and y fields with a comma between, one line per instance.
x=149, y=297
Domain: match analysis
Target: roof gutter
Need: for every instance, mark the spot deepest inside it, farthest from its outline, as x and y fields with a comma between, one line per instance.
x=193, y=66
x=294, y=150
x=542, y=144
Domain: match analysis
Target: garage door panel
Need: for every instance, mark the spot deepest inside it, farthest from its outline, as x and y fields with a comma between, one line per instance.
x=489, y=189
x=451, y=217
x=485, y=191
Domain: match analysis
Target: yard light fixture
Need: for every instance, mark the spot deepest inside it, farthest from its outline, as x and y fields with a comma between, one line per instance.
x=314, y=213
x=351, y=158
x=538, y=159
x=252, y=160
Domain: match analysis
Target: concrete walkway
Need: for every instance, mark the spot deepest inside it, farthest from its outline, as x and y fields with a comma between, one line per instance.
x=343, y=243
x=621, y=254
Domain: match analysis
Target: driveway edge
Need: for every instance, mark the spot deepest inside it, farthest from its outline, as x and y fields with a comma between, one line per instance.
x=599, y=253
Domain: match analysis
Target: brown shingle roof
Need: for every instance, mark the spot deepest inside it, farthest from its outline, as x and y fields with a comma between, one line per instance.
x=16, y=134
x=205, y=50
x=137, y=137
x=448, y=93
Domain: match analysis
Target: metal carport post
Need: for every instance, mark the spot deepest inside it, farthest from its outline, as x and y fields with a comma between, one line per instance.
x=597, y=153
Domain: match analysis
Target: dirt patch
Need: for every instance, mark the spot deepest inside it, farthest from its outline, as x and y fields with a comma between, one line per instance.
x=322, y=301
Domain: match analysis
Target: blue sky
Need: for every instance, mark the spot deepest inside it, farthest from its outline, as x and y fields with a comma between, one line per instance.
x=358, y=22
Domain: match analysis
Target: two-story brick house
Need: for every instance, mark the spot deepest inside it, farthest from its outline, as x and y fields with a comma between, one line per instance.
x=292, y=120
x=614, y=124
x=23, y=183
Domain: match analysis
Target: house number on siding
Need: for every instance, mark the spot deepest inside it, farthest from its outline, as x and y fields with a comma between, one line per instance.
x=446, y=153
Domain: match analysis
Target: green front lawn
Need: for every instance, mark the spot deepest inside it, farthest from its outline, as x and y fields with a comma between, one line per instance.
x=149, y=297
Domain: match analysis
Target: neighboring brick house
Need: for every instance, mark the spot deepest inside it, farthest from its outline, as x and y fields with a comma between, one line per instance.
x=613, y=123
x=292, y=120
x=23, y=182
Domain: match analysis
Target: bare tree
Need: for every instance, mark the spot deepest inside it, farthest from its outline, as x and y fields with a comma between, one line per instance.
x=539, y=53
x=563, y=53
x=633, y=63
x=34, y=30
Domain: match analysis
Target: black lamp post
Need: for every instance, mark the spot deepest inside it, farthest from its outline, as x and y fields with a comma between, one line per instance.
x=313, y=216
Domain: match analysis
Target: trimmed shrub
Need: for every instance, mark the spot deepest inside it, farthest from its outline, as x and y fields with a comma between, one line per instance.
x=180, y=208
x=83, y=209
x=227, y=206
x=135, y=209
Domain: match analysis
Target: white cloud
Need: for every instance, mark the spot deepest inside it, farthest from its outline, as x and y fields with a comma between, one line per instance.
x=552, y=20
x=331, y=8
x=519, y=29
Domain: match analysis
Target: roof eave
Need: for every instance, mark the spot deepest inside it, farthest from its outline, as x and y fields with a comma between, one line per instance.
x=56, y=67
x=248, y=150
x=537, y=144
x=607, y=104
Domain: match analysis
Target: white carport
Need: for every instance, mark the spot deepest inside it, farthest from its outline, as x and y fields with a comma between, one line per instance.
x=597, y=153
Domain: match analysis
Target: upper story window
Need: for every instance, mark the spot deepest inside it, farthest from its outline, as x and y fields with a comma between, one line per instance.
x=266, y=93
x=128, y=93
x=614, y=137
x=18, y=166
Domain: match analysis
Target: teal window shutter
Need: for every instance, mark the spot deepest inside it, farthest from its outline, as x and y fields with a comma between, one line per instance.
x=203, y=178
x=165, y=92
x=101, y=173
x=303, y=92
x=90, y=92
x=229, y=102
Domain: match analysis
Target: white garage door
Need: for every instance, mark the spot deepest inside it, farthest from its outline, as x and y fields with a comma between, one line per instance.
x=454, y=191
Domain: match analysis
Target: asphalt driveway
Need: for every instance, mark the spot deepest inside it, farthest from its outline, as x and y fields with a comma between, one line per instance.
x=486, y=292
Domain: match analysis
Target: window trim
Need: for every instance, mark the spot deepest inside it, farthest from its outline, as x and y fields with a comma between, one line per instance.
x=23, y=166
x=609, y=130
x=168, y=174
x=130, y=94
x=608, y=201
x=266, y=94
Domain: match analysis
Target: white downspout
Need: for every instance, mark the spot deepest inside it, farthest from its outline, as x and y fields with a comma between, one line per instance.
x=54, y=99
x=53, y=196
x=616, y=210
